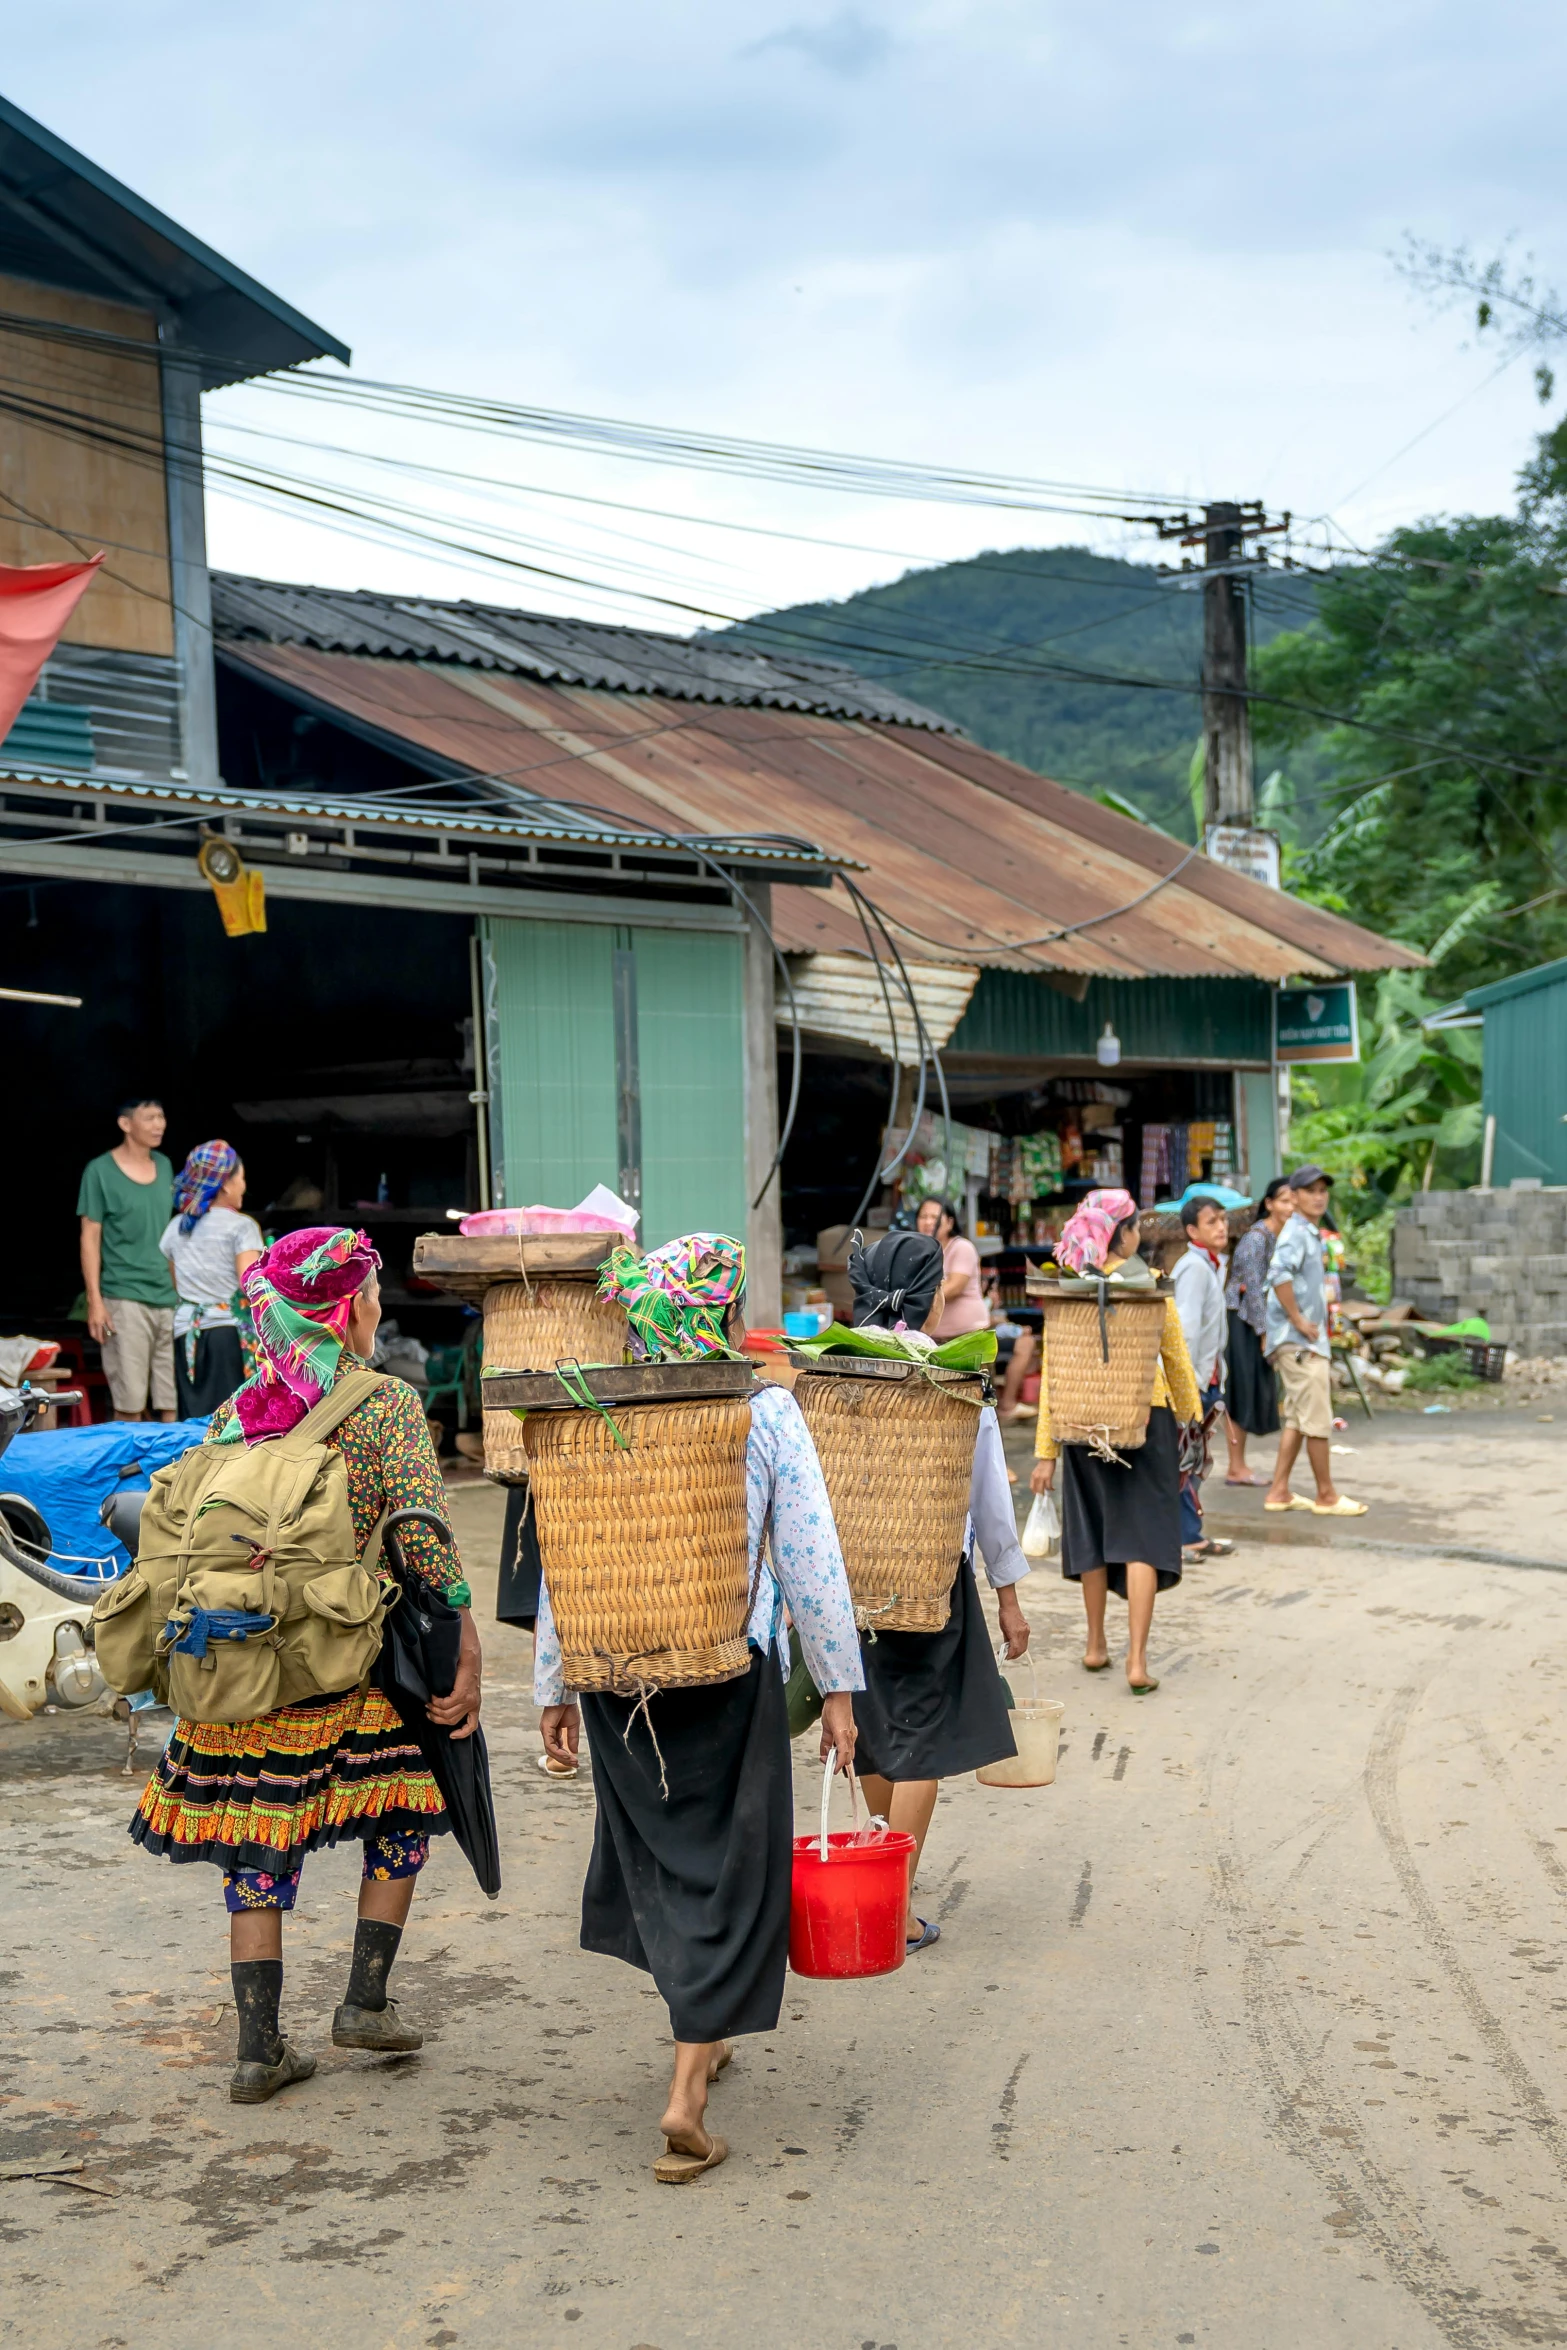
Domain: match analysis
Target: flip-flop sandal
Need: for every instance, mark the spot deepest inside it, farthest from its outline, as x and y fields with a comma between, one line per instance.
x=1242, y=1480
x=1213, y=1546
x=1142, y=1688
x=1342, y=1508
x=676, y=2169
x=1297, y=1501
x=923, y=1939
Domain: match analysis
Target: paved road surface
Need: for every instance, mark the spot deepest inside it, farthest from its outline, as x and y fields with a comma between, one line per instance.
x=1247, y=2034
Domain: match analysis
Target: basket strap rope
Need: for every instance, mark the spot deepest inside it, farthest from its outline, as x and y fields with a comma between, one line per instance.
x=581, y=1394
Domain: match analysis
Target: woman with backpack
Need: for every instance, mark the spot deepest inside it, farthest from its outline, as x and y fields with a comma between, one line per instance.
x=255, y=1796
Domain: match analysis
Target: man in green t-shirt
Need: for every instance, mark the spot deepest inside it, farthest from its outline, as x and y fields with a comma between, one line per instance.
x=125, y=1203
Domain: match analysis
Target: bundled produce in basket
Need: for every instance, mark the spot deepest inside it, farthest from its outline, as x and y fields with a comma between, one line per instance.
x=1101, y=1352
x=642, y=1530
x=897, y=1455
x=530, y=1326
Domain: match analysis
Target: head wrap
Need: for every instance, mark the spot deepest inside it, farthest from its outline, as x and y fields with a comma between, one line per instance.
x=1085, y=1240
x=896, y=1281
x=677, y=1297
x=200, y=1180
x=301, y=1292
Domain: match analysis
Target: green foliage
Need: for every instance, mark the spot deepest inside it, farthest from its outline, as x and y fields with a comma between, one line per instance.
x=1435, y=1372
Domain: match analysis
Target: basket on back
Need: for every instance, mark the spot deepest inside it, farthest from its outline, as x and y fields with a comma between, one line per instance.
x=531, y=1326
x=897, y=1455
x=645, y=1548
x=1100, y=1368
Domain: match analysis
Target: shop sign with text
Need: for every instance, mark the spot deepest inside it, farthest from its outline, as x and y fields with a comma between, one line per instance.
x=1317, y=1023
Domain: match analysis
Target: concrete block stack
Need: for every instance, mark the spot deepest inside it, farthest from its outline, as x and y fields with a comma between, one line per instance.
x=1502, y=1254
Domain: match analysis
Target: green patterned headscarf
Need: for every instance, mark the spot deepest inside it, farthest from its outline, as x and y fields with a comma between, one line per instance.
x=677, y=1298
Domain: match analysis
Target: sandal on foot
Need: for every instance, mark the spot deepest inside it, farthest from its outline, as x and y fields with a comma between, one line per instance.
x=1243, y=1480
x=1104, y=1668
x=1142, y=1688
x=1342, y=1508
x=922, y=1940
x=1297, y=1501
x=252, y=2083
x=676, y=2168
x=379, y=2028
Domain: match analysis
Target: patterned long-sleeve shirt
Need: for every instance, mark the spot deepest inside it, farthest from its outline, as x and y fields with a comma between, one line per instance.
x=786, y=1502
x=1174, y=1382
x=391, y=1465
x=1247, y=1294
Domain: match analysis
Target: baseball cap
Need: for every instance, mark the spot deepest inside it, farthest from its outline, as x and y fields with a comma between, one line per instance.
x=1302, y=1176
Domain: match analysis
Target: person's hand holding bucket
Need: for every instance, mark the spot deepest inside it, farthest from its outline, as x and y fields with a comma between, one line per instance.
x=838, y=1728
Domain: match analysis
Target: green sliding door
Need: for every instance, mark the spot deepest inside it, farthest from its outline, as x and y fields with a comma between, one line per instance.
x=616, y=1055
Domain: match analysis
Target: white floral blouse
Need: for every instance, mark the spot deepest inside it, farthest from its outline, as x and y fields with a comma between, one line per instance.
x=786, y=1500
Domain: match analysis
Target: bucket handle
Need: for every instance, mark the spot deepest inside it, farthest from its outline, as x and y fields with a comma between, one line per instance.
x=1033, y=1670
x=828, y=1768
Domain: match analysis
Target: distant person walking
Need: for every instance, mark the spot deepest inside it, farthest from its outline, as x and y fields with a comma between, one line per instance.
x=210, y=1247
x=125, y=1201
x=1199, y=1300
x=1251, y=1393
x=1297, y=1347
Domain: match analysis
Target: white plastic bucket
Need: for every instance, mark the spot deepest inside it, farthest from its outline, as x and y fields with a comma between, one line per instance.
x=1036, y=1726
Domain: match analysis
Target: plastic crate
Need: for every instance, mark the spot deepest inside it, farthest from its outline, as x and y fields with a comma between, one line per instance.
x=1486, y=1361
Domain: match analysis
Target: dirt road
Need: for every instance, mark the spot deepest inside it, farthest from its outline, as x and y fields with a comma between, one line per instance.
x=1249, y=2033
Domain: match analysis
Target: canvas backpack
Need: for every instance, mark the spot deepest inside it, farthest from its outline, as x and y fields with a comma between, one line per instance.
x=246, y=1593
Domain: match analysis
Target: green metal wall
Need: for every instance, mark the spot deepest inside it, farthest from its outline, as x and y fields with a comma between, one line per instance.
x=1525, y=1082
x=576, y=1101
x=1178, y=1020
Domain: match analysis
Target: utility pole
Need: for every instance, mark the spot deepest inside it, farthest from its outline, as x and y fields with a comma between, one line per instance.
x=1223, y=532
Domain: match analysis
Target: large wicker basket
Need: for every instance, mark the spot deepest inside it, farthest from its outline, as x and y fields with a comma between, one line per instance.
x=645, y=1549
x=1100, y=1380
x=531, y=1326
x=898, y=1455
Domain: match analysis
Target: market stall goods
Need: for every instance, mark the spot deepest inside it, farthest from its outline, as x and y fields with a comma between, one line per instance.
x=643, y=1533
x=896, y=1444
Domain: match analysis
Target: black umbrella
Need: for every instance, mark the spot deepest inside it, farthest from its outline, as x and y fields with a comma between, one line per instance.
x=420, y=1642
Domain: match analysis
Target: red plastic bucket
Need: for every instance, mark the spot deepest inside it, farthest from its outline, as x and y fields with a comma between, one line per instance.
x=847, y=1914
x=849, y=1901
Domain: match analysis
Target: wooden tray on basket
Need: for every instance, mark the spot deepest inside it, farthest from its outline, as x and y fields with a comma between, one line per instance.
x=883, y=1367
x=468, y=1267
x=618, y=1383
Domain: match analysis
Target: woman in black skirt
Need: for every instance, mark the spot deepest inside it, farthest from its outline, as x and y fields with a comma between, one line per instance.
x=693, y=1839
x=1121, y=1518
x=934, y=1704
x=1251, y=1391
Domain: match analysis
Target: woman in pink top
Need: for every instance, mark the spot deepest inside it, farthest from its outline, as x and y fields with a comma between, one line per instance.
x=963, y=1308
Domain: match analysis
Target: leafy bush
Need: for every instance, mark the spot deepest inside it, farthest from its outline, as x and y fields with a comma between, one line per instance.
x=1442, y=1371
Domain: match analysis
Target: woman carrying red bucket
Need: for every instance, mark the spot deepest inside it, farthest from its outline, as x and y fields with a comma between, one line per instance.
x=692, y=1845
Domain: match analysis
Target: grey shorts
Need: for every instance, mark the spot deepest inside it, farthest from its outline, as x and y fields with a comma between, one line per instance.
x=140, y=1356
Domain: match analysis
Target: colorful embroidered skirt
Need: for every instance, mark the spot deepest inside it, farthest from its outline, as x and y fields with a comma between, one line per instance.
x=261, y=1794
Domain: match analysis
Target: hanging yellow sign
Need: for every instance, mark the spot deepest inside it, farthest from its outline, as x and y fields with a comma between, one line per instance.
x=241, y=892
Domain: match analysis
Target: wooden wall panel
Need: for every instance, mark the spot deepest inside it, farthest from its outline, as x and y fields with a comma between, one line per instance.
x=63, y=492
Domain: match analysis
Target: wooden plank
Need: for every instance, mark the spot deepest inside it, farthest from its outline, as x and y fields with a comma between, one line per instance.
x=468, y=1267
x=619, y=1383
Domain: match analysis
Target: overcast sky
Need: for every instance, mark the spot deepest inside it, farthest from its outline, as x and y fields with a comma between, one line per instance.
x=1142, y=246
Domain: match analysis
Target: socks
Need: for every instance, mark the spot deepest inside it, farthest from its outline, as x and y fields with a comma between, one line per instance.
x=375, y=1947
x=258, y=1992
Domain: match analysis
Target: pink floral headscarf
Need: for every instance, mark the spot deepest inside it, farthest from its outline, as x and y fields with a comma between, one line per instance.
x=1085, y=1241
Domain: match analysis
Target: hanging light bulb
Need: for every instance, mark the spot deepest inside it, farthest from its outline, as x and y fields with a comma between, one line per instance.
x=1108, y=1049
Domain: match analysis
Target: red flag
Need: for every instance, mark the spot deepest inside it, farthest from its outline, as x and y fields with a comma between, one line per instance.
x=36, y=601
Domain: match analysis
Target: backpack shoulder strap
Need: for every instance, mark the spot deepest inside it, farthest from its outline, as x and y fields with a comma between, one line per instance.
x=334, y=1408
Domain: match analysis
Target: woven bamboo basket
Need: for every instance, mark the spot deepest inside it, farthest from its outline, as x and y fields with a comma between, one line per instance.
x=1101, y=1404
x=645, y=1550
x=897, y=1455
x=531, y=1327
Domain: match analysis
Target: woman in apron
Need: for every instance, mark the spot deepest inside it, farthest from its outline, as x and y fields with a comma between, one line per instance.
x=934, y=1703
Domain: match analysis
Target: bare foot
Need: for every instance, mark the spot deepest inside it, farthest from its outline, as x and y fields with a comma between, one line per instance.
x=682, y=2126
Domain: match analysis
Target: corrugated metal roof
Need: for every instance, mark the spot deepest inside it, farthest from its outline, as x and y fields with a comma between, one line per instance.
x=564, y=651
x=970, y=857
x=845, y=995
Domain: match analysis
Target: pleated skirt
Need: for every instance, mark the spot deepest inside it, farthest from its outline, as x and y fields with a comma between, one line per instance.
x=933, y=1704
x=1114, y=1511
x=692, y=1885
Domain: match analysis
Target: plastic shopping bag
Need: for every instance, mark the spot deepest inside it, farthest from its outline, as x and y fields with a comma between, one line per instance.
x=1042, y=1528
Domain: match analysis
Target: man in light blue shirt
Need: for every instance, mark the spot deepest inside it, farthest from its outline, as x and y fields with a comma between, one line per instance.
x=1296, y=1344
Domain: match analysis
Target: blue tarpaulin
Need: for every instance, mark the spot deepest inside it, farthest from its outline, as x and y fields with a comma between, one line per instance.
x=68, y=1473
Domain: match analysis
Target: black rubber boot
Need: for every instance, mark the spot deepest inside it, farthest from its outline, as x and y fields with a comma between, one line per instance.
x=367, y=2018
x=267, y=2062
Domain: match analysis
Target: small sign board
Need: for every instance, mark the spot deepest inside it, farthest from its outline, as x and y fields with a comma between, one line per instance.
x=1317, y=1023
x=1245, y=849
